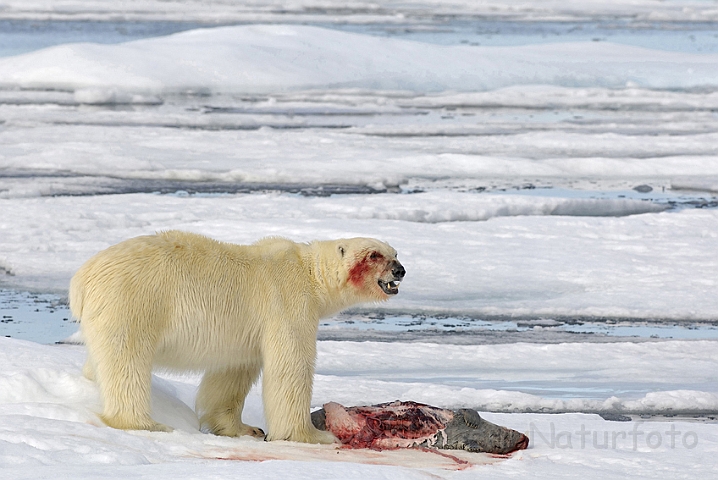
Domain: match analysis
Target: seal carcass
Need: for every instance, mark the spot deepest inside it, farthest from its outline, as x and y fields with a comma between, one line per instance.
x=411, y=424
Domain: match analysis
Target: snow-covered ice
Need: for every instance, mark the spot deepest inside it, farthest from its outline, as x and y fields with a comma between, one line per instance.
x=551, y=172
x=275, y=58
x=361, y=11
x=587, y=246
x=49, y=424
x=641, y=266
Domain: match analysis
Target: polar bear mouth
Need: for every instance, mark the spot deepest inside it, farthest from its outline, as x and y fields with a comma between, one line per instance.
x=390, y=288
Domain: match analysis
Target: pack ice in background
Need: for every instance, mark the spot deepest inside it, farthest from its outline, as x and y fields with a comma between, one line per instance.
x=548, y=172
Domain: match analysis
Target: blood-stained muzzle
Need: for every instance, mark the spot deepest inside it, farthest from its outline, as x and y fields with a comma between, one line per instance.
x=391, y=286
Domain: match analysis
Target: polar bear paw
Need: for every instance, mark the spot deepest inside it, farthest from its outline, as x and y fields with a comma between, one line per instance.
x=305, y=435
x=236, y=430
x=226, y=423
x=159, y=427
x=315, y=436
x=135, y=424
x=251, y=431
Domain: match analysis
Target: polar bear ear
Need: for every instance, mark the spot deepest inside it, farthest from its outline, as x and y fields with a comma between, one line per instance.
x=340, y=249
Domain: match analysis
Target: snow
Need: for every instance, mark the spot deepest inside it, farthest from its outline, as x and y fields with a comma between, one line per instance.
x=275, y=58
x=544, y=174
x=641, y=266
x=267, y=155
x=49, y=424
x=704, y=185
x=357, y=11
x=659, y=378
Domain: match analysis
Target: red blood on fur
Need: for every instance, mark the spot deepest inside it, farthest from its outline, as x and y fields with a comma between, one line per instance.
x=359, y=271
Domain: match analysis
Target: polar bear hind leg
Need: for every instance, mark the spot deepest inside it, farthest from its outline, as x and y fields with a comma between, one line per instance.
x=88, y=370
x=220, y=400
x=122, y=367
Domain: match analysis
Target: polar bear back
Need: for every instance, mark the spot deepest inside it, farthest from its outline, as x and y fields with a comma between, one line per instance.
x=204, y=303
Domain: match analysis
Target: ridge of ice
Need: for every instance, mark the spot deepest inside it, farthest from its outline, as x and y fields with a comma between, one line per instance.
x=272, y=58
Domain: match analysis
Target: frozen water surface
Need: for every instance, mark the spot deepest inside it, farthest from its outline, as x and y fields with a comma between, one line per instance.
x=548, y=172
x=679, y=26
x=480, y=331
x=42, y=318
x=21, y=36
x=46, y=318
x=467, y=344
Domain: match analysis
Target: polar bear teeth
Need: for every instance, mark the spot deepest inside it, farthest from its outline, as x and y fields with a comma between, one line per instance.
x=390, y=288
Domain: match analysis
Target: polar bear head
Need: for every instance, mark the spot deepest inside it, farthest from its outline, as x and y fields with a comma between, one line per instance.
x=369, y=268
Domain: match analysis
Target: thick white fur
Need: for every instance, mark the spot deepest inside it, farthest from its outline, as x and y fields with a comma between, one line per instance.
x=185, y=301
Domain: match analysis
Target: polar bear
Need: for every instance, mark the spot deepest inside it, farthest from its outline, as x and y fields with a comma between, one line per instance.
x=184, y=301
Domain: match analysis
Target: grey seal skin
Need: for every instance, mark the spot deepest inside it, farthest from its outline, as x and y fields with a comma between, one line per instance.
x=468, y=431
x=464, y=430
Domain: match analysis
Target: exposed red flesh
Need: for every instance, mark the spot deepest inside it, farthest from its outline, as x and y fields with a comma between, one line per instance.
x=387, y=426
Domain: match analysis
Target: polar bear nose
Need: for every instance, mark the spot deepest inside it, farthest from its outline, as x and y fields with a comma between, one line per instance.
x=397, y=270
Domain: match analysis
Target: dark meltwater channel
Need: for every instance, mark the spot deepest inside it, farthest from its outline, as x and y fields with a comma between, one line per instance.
x=46, y=318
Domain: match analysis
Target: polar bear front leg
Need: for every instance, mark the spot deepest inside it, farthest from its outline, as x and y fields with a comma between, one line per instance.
x=288, y=375
x=220, y=401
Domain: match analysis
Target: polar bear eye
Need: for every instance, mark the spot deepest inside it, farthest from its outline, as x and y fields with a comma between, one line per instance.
x=341, y=251
x=375, y=256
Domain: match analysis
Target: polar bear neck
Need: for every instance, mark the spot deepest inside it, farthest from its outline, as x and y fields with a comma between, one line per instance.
x=328, y=273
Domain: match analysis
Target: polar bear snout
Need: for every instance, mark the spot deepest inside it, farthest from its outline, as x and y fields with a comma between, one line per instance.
x=390, y=285
x=397, y=269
